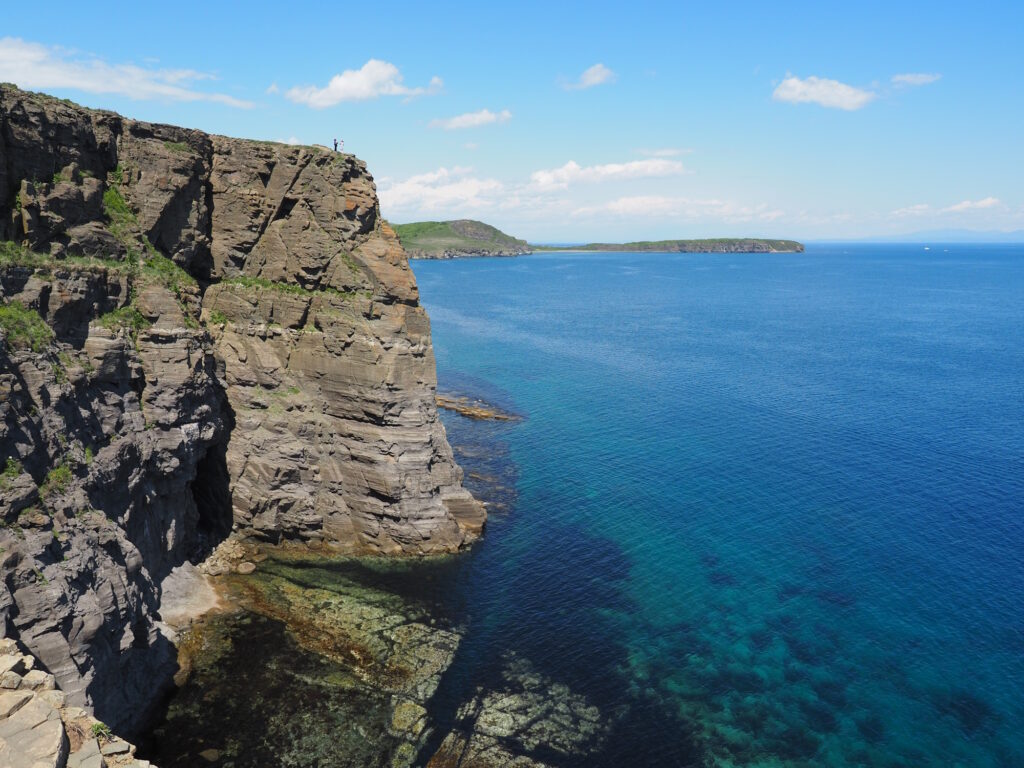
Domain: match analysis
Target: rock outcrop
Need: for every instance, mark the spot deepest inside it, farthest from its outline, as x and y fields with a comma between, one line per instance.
x=199, y=336
x=40, y=729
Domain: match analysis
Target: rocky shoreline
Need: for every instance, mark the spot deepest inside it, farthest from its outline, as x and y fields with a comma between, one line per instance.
x=364, y=660
x=459, y=253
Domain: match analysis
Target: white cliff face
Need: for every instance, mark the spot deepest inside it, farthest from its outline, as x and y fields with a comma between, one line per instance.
x=221, y=336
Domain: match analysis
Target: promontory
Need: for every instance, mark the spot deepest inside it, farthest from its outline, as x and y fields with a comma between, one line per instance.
x=200, y=338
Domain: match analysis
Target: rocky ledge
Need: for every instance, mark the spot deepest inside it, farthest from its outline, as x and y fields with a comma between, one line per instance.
x=38, y=729
x=199, y=337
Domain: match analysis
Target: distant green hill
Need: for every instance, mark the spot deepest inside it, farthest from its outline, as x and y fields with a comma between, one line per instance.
x=712, y=245
x=457, y=239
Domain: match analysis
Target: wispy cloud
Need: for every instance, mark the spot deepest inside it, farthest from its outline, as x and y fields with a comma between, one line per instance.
x=572, y=172
x=822, y=91
x=964, y=206
x=972, y=205
x=40, y=67
x=659, y=206
x=374, y=79
x=595, y=75
x=921, y=209
x=913, y=79
x=472, y=120
x=448, y=190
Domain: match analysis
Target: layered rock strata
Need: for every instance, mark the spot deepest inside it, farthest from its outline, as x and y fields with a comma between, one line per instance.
x=198, y=335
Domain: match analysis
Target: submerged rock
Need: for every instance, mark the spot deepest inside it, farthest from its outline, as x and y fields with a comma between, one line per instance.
x=515, y=727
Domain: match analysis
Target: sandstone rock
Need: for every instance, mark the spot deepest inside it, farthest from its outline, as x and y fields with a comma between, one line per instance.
x=13, y=663
x=10, y=681
x=115, y=747
x=87, y=756
x=32, y=736
x=12, y=702
x=53, y=697
x=245, y=568
x=37, y=680
x=304, y=409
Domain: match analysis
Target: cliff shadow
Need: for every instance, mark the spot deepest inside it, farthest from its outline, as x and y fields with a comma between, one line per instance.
x=211, y=493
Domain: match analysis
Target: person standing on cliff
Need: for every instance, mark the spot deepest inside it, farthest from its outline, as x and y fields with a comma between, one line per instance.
x=335, y=145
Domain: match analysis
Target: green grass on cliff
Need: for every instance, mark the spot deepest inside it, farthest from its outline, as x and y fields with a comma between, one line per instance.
x=159, y=268
x=23, y=328
x=12, y=470
x=436, y=237
x=128, y=317
x=14, y=255
x=122, y=218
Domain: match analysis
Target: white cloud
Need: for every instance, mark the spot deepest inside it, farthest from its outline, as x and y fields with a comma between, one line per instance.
x=375, y=78
x=446, y=190
x=972, y=205
x=920, y=209
x=658, y=206
x=923, y=209
x=272, y=89
x=472, y=120
x=40, y=67
x=572, y=172
x=290, y=140
x=595, y=75
x=822, y=91
x=915, y=78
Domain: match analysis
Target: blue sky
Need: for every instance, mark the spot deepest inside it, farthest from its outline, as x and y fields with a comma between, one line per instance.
x=587, y=121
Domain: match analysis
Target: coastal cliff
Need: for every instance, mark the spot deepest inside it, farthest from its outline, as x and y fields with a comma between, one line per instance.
x=199, y=337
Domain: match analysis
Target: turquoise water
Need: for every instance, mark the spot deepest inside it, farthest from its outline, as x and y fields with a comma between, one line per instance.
x=761, y=510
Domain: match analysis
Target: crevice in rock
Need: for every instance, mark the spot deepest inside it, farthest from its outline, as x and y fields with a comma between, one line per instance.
x=211, y=493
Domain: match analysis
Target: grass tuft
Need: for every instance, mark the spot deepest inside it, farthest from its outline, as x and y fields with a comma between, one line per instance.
x=23, y=328
x=57, y=480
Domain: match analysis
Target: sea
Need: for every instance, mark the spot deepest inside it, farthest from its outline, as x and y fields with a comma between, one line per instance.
x=770, y=504
x=756, y=510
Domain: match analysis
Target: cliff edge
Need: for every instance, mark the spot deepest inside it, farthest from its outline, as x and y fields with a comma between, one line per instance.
x=199, y=337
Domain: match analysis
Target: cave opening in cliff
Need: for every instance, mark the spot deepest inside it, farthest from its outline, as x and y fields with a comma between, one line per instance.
x=212, y=496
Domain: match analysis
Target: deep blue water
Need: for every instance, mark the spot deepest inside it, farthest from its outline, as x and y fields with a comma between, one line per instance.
x=762, y=510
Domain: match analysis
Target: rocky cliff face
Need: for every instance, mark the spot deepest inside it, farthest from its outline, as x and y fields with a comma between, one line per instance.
x=198, y=335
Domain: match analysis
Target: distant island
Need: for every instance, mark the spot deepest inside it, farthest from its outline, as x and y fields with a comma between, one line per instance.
x=463, y=238
x=712, y=245
x=457, y=239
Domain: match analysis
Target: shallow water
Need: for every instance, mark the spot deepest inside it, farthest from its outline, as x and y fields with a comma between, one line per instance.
x=774, y=503
x=760, y=511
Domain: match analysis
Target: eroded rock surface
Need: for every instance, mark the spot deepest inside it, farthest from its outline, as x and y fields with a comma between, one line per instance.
x=38, y=729
x=199, y=335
